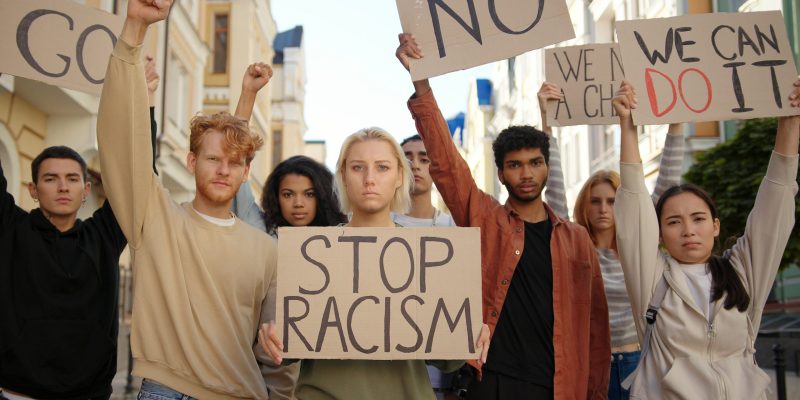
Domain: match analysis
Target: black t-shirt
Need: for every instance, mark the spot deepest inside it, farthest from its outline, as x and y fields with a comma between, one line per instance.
x=522, y=345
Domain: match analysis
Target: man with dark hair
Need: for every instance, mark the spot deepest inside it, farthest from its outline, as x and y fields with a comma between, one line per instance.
x=520, y=137
x=59, y=277
x=543, y=296
x=422, y=212
x=62, y=152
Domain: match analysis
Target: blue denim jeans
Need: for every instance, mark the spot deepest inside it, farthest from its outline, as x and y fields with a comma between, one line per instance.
x=152, y=390
x=622, y=365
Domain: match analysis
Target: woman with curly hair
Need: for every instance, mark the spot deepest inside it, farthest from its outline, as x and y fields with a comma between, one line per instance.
x=298, y=192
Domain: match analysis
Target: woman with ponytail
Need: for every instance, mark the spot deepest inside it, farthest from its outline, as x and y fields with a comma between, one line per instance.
x=697, y=313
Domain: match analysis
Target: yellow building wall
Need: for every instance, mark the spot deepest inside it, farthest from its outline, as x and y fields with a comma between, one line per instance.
x=28, y=128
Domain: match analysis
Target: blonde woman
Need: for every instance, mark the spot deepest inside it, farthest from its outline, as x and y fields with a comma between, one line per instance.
x=701, y=339
x=373, y=179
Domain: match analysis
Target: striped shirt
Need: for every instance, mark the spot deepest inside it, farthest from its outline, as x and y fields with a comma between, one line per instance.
x=623, y=330
x=620, y=314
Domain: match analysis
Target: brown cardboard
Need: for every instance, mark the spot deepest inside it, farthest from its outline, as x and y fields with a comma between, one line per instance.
x=58, y=42
x=303, y=251
x=701, y=46
x=476, y=32
x=588, y=76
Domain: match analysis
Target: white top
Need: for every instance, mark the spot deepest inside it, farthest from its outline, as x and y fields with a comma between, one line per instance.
x=698, y=278
x=217, y=221
x=438, y=219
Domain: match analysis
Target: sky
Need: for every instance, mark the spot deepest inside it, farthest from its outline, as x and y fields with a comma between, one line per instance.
x=354, y=80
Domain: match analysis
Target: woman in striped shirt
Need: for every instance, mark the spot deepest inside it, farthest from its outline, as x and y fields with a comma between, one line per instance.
x=594, y=209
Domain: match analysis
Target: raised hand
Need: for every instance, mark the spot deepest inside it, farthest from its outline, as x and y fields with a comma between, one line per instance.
x=625, y=101
x=407, y=50
x=148, y=11
x=142, y=14
x=256, y=76
x=548, y=91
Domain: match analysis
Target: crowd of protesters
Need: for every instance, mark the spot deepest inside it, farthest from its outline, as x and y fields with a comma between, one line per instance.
x=628, y=301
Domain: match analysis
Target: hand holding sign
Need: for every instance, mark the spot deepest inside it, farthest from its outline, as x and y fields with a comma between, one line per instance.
x=407, y=50
x=624, y=101
x=547, y=92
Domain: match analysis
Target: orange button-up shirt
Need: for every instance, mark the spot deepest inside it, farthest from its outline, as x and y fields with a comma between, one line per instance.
x=581, y=338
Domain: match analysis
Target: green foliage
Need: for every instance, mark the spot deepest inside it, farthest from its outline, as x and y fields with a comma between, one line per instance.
x=731, y=173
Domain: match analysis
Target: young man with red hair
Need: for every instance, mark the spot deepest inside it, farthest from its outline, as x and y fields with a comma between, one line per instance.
x=204, y=279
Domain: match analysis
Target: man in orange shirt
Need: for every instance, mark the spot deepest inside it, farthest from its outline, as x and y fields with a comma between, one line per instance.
x=543, y=296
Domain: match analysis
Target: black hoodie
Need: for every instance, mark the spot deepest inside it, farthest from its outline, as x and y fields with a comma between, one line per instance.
x=59, y=296
x=58, y=302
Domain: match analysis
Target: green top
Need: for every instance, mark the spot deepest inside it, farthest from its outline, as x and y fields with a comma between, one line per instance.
x=368, y=379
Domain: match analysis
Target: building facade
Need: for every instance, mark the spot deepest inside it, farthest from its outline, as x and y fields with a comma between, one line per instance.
x=588, y=149
x=201, y=54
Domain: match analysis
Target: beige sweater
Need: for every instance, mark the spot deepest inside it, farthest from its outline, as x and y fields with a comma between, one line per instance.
x=201, y=289
x=691, y=357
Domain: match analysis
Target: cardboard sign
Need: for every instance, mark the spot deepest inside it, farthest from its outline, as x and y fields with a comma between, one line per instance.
x=588, y=76
x=459, y=34
x=379, y=293
x=708, y=67
x=58, y=42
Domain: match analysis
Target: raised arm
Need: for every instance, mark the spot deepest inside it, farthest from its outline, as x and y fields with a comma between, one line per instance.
x=759, y=251
x=450, y=172
x=555, y=193
x=669, y=171
x=634, y=212
x=256, y=76
x=123, y=122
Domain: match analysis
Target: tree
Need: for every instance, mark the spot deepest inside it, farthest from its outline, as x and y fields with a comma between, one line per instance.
x=731, y=173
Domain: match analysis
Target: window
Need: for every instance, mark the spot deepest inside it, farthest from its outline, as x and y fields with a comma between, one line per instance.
x=220, y=44
x=277, y=147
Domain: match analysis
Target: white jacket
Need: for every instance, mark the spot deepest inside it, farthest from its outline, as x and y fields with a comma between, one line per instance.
x=691, y=357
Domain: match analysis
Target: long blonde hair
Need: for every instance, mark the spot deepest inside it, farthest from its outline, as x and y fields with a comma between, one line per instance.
x=584, y=199
x=401, y=202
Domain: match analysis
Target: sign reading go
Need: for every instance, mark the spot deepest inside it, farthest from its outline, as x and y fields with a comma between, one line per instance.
x=61, y=43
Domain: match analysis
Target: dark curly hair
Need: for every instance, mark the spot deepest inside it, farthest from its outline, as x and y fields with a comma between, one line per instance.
x=328, y=213
x=520, y=137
